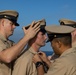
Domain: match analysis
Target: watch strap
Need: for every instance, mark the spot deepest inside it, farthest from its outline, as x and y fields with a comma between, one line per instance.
x=38, y=64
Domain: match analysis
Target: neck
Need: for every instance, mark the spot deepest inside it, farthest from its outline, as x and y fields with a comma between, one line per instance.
x=74, y=41
x=63, y=49
x=35, y=47
x=2, y=32
x=3, y=35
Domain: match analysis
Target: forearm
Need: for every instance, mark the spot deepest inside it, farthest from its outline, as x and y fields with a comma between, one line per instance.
x=48, y=63
x=11, y=53
x=40, y=70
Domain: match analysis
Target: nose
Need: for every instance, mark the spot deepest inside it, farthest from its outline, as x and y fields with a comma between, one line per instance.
x=14, y=26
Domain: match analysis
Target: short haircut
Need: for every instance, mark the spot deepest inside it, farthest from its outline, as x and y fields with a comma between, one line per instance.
x=66, y=40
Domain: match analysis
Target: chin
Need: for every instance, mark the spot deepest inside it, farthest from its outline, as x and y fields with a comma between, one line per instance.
x=43, y=45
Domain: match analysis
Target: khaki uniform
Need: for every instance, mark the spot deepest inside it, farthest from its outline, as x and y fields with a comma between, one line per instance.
x=65, y=64
x=5, y=68
x=74, y=44
x=24, y=64
x=56, y=56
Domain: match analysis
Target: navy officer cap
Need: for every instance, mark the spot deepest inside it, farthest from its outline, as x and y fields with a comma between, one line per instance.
x=57, y=31
x=42, y=25
x=10, y=15
x=67, y=22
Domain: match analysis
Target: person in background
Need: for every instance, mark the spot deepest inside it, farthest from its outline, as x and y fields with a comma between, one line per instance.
x=67, y=22
x=61, y=42
x=71, y=23
x=24, y=65
x=8, y=50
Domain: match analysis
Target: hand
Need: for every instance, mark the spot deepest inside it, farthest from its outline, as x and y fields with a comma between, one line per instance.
x=32, y=30
x=36, y=58
x=43, y=56
x=49, y=57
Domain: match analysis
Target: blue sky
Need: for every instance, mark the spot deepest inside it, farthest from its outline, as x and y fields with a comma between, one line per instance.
x=29, y=10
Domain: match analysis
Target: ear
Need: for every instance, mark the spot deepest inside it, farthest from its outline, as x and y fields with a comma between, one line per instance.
x=2, y=22
x=59, y=44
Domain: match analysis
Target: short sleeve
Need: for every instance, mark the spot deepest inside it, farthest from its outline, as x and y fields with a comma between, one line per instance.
x=2, y=46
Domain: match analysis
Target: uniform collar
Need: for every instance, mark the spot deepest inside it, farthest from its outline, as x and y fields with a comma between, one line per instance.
x=3, y=38
x=71, y=50
x=31, y=50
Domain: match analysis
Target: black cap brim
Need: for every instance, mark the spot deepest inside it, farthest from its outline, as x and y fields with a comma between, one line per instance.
x=11, y=18
x=16, y=24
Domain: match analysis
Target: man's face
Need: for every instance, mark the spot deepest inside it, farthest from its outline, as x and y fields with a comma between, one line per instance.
x=41, y=39
x=9, y=27
x=55, y=46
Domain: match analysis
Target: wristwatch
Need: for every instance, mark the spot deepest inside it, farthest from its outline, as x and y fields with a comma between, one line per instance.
x=38, y=64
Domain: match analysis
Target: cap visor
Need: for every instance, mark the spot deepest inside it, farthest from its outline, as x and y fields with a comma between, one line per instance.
x=16, y=24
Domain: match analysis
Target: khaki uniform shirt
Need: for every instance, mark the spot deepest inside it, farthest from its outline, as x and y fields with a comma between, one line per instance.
x=24, y=64
x=5, y=68
x=74, y=44
x=54, y=56
x=65, y=64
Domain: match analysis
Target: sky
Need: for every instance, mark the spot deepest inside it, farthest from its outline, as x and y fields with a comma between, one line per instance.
x=33, y=10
